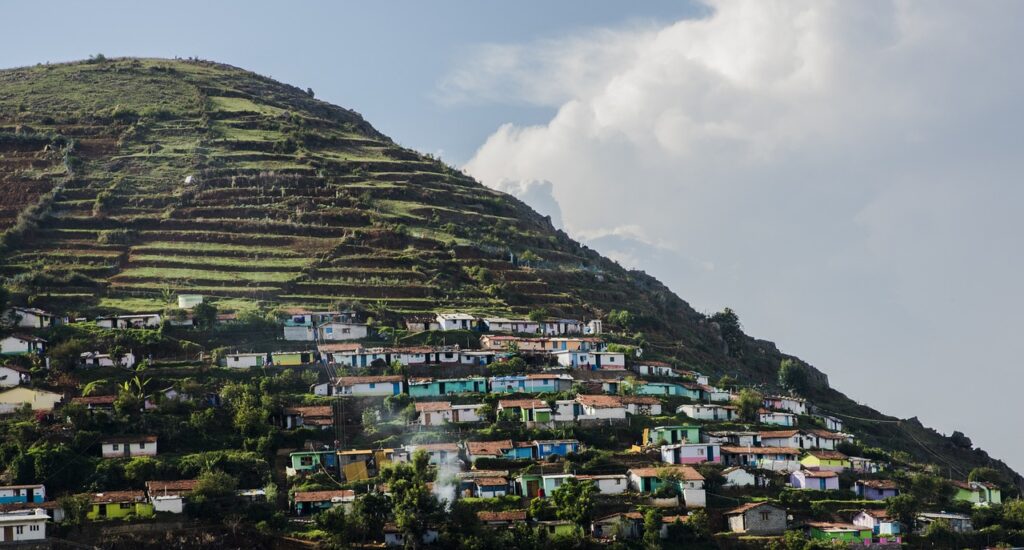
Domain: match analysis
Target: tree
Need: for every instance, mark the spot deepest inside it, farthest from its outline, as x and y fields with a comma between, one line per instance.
x=904, y=508
x=415, y=507
x=748, y=403
x=990, y=475
x=574, y=501
x=538, y=315
x=75, y=508
x=621, y=318
x=204, y=315
x=652, y=529
x=731, y=330
x=793, y=376
x=369, y=513
x=214, y=495
x=940, y=534
x=1013, y=513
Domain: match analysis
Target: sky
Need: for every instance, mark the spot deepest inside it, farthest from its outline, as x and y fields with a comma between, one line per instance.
x=844, y=175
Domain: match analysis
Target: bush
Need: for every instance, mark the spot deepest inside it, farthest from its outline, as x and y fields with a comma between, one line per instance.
x=117, y=236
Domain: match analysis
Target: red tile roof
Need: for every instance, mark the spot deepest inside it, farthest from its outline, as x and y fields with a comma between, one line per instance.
x=433, y=406
x=323, y=496
x=600, y=401
x=176, y=487
x=479, y=448
x=117, y=496
x=522, y=404
x=505, y=515
x=353, y=380
x=685, y=472
x=760, y=450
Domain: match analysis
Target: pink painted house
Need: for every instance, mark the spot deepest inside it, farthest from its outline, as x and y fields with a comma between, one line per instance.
x=818, y=480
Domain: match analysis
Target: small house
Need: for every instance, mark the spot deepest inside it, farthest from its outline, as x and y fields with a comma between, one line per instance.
x=437, y=413
x=119, y=505
x=641, y=405
x=690, y=482
x=757, y=518
x=490, y=487
x=22, y=494
x=959, y=523
x=39, y=400
x=21, y=344
x=456, y=321
x=814, y=480
x=531, y=383
x=23, y=525
x=368, y=386
x=884, y=528
x=559, y=327
x=29, y=317
x=655, y=368
x=302, y=462
x=307, y=503
x=440, y=453
x=515, y=326
x=13, y=375
x=546, y=447
x=128, y=446
x=321, y=416
x=169, y=496
x=979, y=493
x=292, y=358
x=135, y=320
x=621, y=525
x=488, y=449
x=337, y=331
x=431, y=387
x=847, y=533
x=96, y=402
x=556, y=528
x=661, y=435
x=736, y=476
x=794, y=405
x=776, y=459
x=533, y=412
x=92, y=359
x=876, y=489
x=710, y=413
x=607, y=484
x=691, y=453
x=665, y=389
x=825, y=460
x=775, y=418
x=245, y=360
x=504, y=518
x=601, y=407
x=591, y=360
x=734, y=438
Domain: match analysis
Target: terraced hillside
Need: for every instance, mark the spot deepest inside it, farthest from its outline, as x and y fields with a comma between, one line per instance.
x=124, y=182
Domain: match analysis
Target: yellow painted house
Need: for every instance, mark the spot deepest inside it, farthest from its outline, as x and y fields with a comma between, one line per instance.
x=40, y=400
x=825, y=460
x=119, y=505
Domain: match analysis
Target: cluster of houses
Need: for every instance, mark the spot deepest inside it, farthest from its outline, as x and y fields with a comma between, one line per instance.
x=470, y=322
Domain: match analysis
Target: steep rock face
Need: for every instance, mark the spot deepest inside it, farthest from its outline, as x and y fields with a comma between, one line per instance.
x=126, y=181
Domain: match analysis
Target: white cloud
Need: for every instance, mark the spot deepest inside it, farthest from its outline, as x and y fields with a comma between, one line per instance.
x=849, y=169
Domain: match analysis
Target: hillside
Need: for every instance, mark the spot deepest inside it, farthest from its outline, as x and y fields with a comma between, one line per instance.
x=125, y=182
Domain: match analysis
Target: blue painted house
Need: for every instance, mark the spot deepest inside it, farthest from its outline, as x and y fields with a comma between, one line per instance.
x=531, y=383
x=431, y=387
x=522, y=450
x=547, y=447
x=21, y=494
x=667, y=388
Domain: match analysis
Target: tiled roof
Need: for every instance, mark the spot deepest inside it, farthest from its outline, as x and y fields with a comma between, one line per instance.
x=522, y=404
x=449, y=447
x=129, y=439
x=433, y=406
x=744, y=508
x=504, y=515
x=353, y=380
x=880, y=484
x=600, y=401
x=490, y=481
x=95, y=400
x=323, y=496
x=779, y=434
x=117, y=496
x=488, y=447
x=827, y=455
x=340, y=346
x=819, y=473
x=170, y=487
x=685, y=472
x=639, y=400
x=760, y=450
x=324, y=410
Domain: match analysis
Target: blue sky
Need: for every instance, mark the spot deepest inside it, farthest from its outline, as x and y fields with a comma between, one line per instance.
x=844, y=175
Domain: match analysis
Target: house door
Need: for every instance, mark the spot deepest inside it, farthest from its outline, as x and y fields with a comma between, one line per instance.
x=440, y=387
x=532, y=487
x=8, y=534
x=103, y=510
x=30, y=495
x=127, y=451
x=305, y=358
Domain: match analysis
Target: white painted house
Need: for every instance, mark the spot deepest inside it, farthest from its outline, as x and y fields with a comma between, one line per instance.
x=714, y=413
x=608, y=484
x=138, y=320
x=556, y=327
x=13, y=375
x=655, y=368
x=129, y=446
x=245, y=360
x=502, y=324
x=29, y=317
x=776, y=418
x=738, y=477
x=363, y=386
x=20, y=344
x=456, y=321
x=437, y=413
x=335, y=331
x=97, y=359
x=591, y=360
x=642, y=405
x=169, y=496
x=23, y=525
x=601, y=407
x=795, y=405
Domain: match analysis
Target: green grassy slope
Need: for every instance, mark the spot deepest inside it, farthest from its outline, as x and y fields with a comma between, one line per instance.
x=125, y=181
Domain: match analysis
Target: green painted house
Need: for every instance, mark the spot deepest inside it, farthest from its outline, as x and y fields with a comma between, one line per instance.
x=838, y=532
x=672, y=434
x=312, y=461
x=119, y=505
x=431, y=387
x=558, y=528
x=979, y=493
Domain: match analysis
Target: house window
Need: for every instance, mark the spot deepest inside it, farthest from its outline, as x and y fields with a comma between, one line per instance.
x=306, y=461
x=126, y=506
x=329, y=330
x=373, y=385
x=117, y=447
x=20, y=529
x=142, y=445
x=764, y=516
x=33, y=528
x=346, y=331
